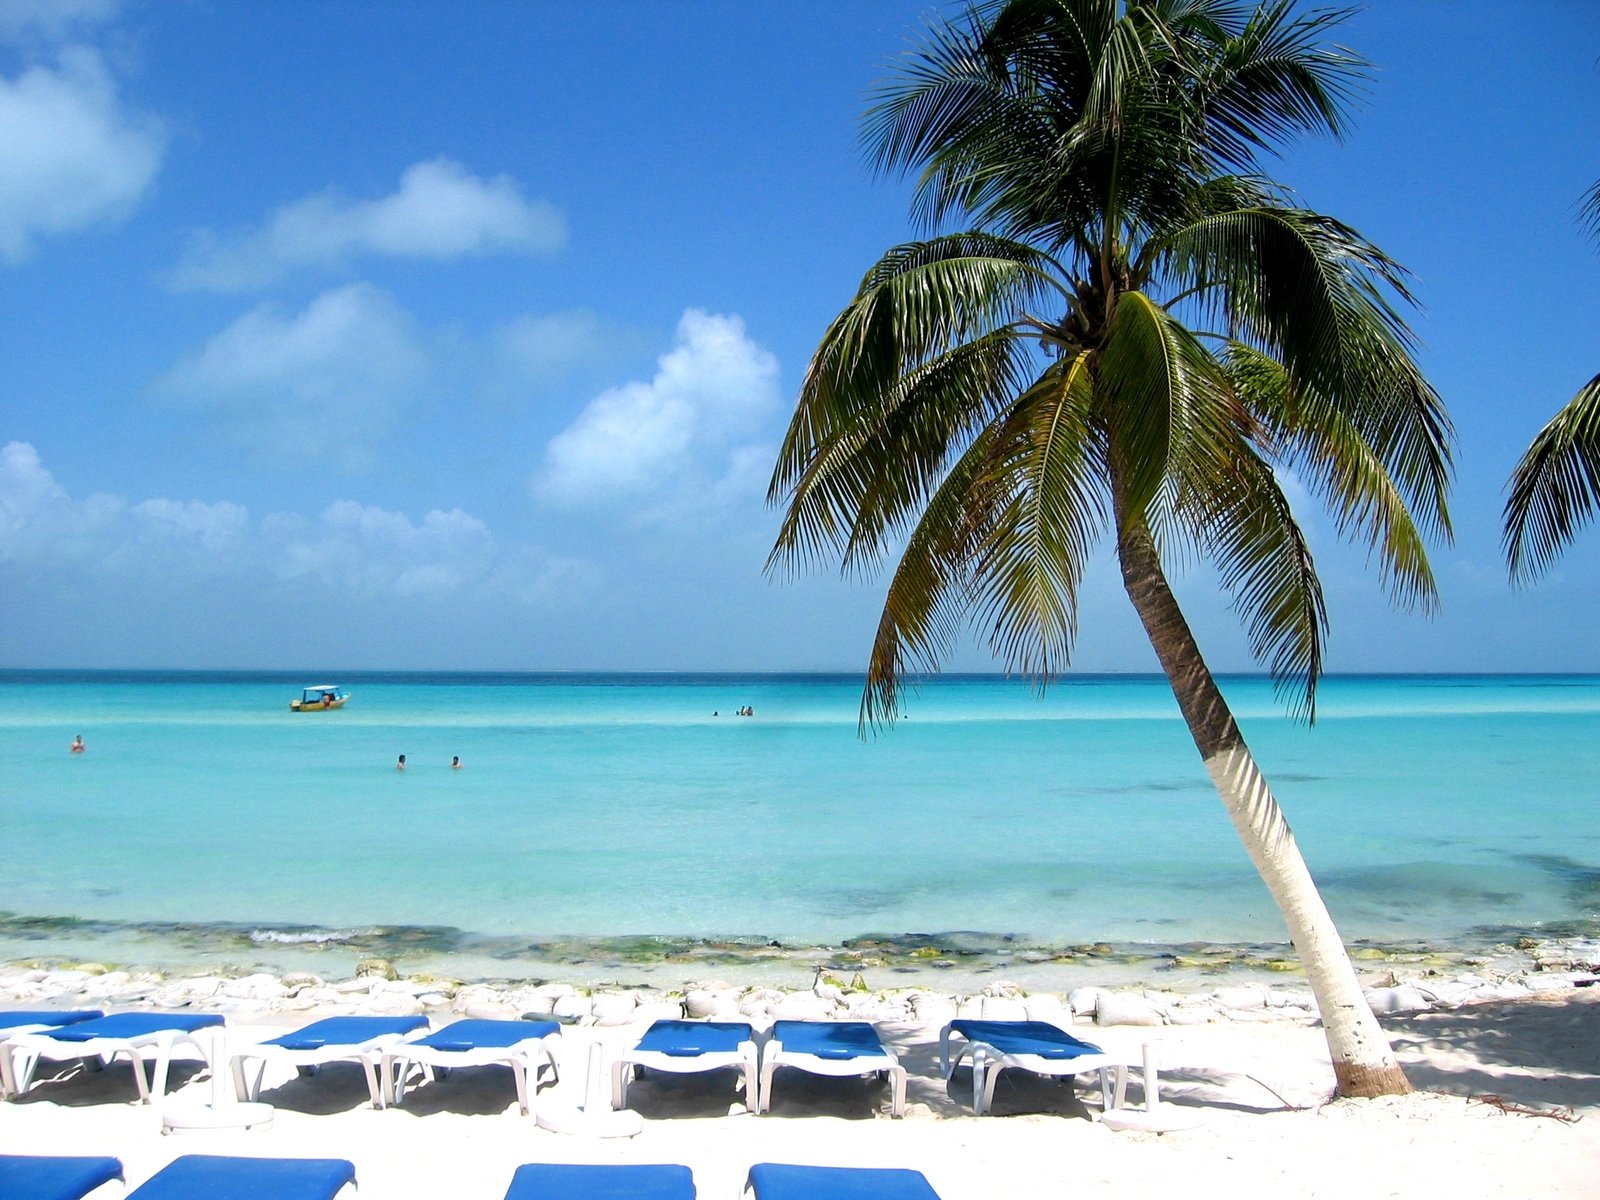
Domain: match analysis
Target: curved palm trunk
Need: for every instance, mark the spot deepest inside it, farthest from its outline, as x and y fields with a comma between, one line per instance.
x=1363, y=1063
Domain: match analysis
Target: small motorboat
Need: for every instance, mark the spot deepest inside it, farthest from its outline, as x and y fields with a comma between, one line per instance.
x=322, y=697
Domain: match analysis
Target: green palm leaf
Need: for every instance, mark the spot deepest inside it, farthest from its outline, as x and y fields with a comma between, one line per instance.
x=1555, y=486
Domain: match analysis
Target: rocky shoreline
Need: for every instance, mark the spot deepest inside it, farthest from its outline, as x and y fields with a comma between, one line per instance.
x=1398, y=982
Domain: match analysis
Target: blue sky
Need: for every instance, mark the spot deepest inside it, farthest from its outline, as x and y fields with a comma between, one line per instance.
x=405, y=335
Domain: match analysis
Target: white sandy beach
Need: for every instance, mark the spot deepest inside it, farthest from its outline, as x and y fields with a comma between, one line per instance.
x=1259, y=1087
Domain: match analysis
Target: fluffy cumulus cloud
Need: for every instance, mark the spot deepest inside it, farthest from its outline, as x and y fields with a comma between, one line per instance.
x=347, y=548
x=693, y=424
x=41, y=524
x=440, y=211
x=72, y=156
x=321, y=385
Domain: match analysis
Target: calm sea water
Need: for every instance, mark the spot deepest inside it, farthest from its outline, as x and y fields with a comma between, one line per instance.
x=601, y=808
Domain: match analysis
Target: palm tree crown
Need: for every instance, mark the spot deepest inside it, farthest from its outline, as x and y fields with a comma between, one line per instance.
x=1136, y=332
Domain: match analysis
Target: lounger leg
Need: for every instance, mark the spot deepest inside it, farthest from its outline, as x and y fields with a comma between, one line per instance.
x=369, y=1067
x=897, y=1081
x=1119, y=1094
x=985, y=1076
x=7, y=1087
x=621, y=1072
x=23, y=1065
x=248, y=1088
x=945, y=1065
x=523, y=1073
x=764, y=1089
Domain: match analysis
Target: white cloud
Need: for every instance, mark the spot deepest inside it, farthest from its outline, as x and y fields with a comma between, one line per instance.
x=439, y=212
x=348, y=548
x=321, y=385
x=690, y=426
x=71, y=155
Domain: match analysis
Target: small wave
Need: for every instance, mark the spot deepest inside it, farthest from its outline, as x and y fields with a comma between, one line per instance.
x=309, y=937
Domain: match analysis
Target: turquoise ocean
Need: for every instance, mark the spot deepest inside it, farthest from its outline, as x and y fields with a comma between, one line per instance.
x=616, y=818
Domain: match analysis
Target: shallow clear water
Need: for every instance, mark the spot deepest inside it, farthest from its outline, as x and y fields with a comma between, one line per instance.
x=613, y=806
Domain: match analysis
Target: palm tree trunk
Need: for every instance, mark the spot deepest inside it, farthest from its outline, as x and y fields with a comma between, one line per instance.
x=1363, y=1063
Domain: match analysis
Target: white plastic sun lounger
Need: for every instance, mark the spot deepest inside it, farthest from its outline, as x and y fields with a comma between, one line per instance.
x=14, y=1021
x=686, y=1048
x=333, y=1039
x=1035, y=1046
x=524, y=1046
x=102, y=1039
x=837, y=1048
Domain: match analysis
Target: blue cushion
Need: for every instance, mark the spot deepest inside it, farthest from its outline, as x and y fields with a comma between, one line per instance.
x=31, y=1177
x=214, y=1177
x=685, y=1039
x=779, y=1181
x=569, y=1181
x=12, y=1017
x=133, y=1024
x=486, y=1035
x=1025, y=1037
x=829, y=1039
x=345, y=1031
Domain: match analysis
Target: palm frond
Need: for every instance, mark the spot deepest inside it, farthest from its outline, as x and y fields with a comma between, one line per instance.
x=1003, y=540
x=927, y=598
x=1030, y=561
x=1171, y=400
x=1276, y=79
x=1555, y=486
x=918, y=360
x=1245, y=524
x=1339, y=467
x=1589, y=211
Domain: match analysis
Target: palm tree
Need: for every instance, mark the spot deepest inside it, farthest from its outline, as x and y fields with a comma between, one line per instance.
x=1135, y=333
x=1556, y=483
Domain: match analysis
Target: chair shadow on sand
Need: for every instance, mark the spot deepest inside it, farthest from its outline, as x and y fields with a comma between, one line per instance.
x=1534, y=1052
x=482, y=1091
x=333, y=1087
x=75, y=1084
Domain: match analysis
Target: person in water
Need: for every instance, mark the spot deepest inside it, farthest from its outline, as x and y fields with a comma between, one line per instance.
x=400, y=764
x=77, y=746
x=455, y=762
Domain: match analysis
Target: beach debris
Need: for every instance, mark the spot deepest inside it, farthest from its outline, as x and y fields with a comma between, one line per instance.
x=1555, y=1112
x=382, y=968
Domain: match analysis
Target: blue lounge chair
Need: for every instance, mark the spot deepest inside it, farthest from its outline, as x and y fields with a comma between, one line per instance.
x=40, y=1177
x=569, y=1181
x=781, y=1181
x=14, y=1021
x=838, y=1048
x=215, y=1177
x=524, y=1046
x=103, y=1038
x=332, y=1039
x=1035, y=1046
x=687, y=1048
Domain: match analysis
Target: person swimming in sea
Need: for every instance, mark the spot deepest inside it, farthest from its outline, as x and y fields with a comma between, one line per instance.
x=77, y=746
x=455, y=762
x=400, y=763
